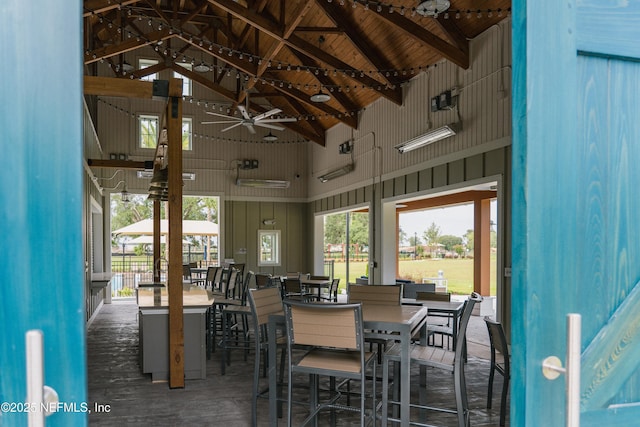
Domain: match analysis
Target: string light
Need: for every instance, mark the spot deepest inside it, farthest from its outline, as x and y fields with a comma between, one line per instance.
x=288, y=66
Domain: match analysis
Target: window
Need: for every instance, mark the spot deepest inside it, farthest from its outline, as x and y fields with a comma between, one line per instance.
x=186, y=82
x=148, y=131
x=268, y=247
x=186, y=134
x=145, y=63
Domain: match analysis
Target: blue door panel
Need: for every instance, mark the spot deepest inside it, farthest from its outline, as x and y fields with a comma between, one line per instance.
x=41, y=267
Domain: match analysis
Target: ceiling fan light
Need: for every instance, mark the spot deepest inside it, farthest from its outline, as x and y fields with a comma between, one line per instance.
x=320, y=97
x=270, y=137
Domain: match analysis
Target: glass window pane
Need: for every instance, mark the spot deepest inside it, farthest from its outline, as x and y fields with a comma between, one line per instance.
x=148, y=131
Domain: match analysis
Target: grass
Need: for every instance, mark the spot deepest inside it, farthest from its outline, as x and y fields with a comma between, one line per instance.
x=458, y=272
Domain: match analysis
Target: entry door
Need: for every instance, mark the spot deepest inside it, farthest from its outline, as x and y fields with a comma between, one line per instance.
x=41, y=265
x=576, y=206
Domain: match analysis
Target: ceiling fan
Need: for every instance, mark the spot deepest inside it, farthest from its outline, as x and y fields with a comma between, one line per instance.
x=250, y=121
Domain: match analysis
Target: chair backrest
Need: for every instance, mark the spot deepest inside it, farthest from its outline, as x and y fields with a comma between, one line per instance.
x=311, y=277
x=217, y=281
x=229, y=280
x=434, y=296
x=292, y=286
x=262, y=280
x=462, y=328
x=243, y=291
x=186, y=272
x=307, y=324
x=211, y=276
x=293, y=275
x=497, y=338
x=263, y=303
x=375, y=294
x=333, y=289
x=193, y=264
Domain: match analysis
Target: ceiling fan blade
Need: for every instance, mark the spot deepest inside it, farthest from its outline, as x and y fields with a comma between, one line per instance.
x=267, y=114
x=231, y=127
x=268, y=126
x=244, y=112
x=280, y=120
x=226, y=116
x=251, y=129
x=218, y=122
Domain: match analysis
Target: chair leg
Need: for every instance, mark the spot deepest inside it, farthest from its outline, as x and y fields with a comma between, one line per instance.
x=460, y=391
x=503, y=401
x=256, y=389
x=385, y=392
x=490, y=389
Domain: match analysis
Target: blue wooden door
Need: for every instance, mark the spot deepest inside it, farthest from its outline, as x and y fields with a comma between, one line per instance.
x=576, y=211
x=41, y=265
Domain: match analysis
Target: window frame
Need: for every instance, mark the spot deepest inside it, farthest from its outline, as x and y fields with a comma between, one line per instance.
x=275, y=258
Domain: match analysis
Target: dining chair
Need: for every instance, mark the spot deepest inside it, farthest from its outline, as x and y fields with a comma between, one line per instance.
x=262, y=280
x=188, y=277
x=211, y=277
x=438, y=324
x=340, y=354
x=235, y=322
x=332, y=295
x=375, y=295
x=292, y=289
x=499, y=344
x=438, y=358
x=264, y=302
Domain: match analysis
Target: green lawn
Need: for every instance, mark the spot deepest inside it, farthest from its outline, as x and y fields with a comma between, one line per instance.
x=458, y=272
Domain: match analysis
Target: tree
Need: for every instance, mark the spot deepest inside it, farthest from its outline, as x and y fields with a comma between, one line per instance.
x=450, y=241
x=468, y=237
x=432, y=235
x=335, y=229
x=402, y=236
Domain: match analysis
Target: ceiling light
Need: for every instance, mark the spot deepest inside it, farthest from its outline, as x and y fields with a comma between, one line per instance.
x=432, y=7
x=262, y=183
x=124, y=195
x=336, y=173
x=429, y=137
x=202, y=67
x=320, y=97
x=270, y=137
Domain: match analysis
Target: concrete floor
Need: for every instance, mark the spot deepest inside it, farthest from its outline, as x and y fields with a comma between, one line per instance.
x=115, y=379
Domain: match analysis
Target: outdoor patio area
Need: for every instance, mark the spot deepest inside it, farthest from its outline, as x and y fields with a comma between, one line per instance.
x=115, y=379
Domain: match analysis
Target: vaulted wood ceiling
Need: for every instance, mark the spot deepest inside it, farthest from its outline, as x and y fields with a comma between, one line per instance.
x=283, y=52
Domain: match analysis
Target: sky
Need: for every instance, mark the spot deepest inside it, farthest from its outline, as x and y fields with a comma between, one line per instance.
x=454, y=220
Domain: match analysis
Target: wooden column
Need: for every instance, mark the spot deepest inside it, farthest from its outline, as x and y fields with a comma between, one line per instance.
x=482, y=246
x=173, y=115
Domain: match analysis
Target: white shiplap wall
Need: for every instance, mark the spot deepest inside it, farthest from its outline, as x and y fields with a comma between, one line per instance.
x=484, y=105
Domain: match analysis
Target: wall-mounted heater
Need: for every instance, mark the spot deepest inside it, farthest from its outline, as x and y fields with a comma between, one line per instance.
x=429, y=137
x=336, y=173
x=262, y=183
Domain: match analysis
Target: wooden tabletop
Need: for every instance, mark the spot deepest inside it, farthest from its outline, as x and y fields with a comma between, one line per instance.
x=193, y=297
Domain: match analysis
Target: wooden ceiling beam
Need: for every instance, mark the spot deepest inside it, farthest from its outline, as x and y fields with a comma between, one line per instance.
x=448, y=199
x=158, y=11
x=454, y=33
x=126, y=46
x=93, y=7
x=455, y=54
x=367, y=49
x=271, y=28
x=109, y=86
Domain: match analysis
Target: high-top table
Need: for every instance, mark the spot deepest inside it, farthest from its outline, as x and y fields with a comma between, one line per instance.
x=397, y=322
x=449, y=308
x=319, y=284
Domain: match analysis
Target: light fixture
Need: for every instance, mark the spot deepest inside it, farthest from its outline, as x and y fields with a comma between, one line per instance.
x=202, y=67
x=186, y=176
x=262, y=183
x=270, y=221
x=336, y=173
x=270, y=137
x=126, y=67
x=429, y=137
x=320, y=96
x=124, y=194
x=432, y=7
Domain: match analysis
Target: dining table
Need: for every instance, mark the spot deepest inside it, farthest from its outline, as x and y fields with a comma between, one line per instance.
x=452, y=309
x=397, y=322
x=319, y=284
